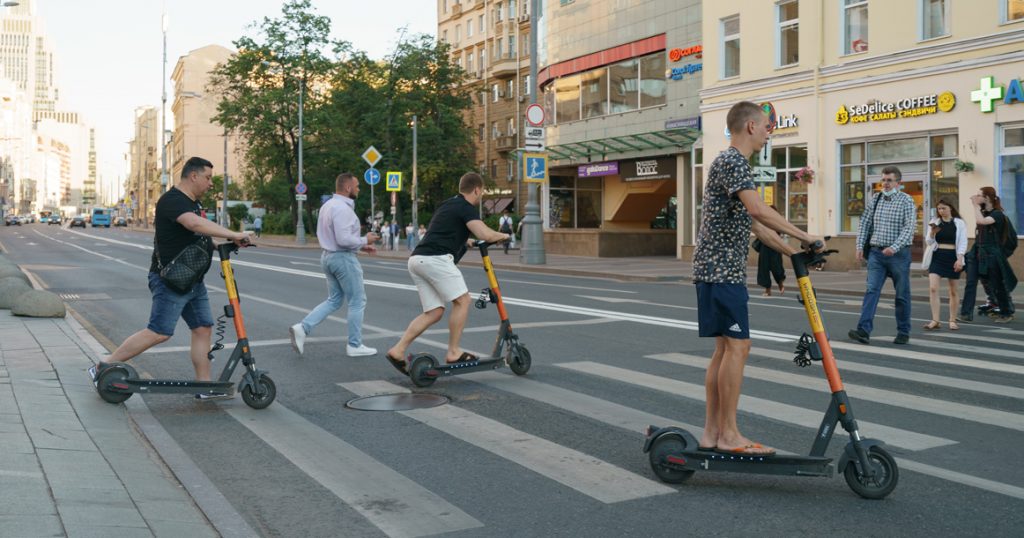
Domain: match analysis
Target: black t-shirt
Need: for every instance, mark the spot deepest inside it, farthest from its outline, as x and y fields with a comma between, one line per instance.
x=992, y=233
x=171, y=237
x=447, y=232
x=946, y=235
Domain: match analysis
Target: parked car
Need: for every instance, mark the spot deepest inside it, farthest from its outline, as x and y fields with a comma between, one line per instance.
x=78, y=221
x=54, y=219
x=12, y=220
x=120, y=221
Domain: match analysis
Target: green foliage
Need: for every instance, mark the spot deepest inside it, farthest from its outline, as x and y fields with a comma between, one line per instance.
x=209, y=200
x=283, y=223
x=237, y=212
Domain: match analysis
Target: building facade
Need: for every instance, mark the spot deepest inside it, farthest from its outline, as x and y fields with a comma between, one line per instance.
x=143, y=188
x=620, y=84
x=195, y=134
x=931, y=86
x=489, y=40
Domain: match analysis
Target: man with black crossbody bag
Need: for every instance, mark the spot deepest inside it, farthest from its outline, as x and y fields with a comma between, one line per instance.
x=183, y=248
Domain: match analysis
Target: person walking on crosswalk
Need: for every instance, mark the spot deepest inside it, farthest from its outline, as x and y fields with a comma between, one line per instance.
x=732, y=209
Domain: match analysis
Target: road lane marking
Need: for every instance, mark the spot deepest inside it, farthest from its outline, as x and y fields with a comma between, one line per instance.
x=586, y=474
x=355, y=477
x=992, y=417
x=790, y=414
x=978, y=338
x=950, y=346
x=928, y=357
x=905, y=375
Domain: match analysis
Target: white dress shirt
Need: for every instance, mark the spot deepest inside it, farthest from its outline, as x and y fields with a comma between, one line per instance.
x=337, y=227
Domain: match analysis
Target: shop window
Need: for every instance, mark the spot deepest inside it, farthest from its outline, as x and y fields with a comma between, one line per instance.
x=594, y=93
x=1012, y=10
x=624, y=84
x=855, y=26
x=788, y=38
x=901, y=149
x=730, y=28
x=787, y=194
x=652, y=80
x=567, y=99
x=574, y=203
x=934, y=18
x=1011, y=174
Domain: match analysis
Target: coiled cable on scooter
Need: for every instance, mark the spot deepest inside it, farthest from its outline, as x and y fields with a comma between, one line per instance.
x=217, y=345
x=803, y=350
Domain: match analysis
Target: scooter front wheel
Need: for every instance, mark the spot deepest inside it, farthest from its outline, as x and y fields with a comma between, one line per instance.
x=664, y=446
x=110, y=378
x=267, y=389
x=887, y=474
x=419, y=368
x=519, y=362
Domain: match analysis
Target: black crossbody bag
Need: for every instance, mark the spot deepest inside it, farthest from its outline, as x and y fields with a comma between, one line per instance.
x=866, y=247
x=188, y=267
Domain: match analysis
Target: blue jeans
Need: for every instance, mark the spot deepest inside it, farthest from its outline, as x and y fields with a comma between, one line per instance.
x=344, y=279
x=880, y=267
x=169, y=305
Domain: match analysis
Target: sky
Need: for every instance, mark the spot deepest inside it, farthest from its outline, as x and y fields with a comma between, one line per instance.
x=109, y=53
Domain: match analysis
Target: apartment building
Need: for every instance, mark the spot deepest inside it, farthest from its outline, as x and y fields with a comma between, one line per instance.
x=931, y=86
x=143, y=186
x=490, y=41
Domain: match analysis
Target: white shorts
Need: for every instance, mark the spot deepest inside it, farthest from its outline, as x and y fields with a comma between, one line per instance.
x=437, y=279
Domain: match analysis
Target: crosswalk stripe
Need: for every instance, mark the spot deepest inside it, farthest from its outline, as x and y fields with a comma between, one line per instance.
x=356, y=478
x=782, y=412
x=962, y=478
x=980, y=338
x=905, y=375
x=586, y=474
x=960, y=411
x=929, y=357
x=950, y=346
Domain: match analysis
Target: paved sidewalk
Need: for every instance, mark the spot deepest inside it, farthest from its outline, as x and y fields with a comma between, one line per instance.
x=70, y=463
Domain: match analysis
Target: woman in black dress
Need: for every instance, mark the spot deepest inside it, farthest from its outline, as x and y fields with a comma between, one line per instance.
x=947, y=243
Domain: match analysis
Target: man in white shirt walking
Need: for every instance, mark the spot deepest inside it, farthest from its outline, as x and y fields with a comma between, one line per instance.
x=337, y=230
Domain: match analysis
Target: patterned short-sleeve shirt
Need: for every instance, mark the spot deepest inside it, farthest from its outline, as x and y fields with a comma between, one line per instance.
x=722, y=242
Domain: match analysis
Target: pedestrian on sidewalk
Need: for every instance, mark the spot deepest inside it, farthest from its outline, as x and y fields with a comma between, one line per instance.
x=396, y=234
x=987, y=260
x=337, y=230
x=385, y=235
x=732, y=209
x=769, y=264
x=257, y=226
x=422, y=232
x=886, y=231
x=409, y=237
x=944, y=259
x=505, y=227
x=433, y=269
x=179, y=224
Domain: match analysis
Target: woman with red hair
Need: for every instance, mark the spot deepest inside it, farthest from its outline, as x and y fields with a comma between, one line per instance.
x=987, y=257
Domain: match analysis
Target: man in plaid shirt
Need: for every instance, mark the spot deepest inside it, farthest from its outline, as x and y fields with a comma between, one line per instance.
x=889, y=220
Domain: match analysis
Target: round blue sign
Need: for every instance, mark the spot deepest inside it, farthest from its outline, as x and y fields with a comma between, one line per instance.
x=300, y=188
x=372, y=176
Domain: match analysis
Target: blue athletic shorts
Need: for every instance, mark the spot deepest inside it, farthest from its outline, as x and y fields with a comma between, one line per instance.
x=168, y=306
x=722, y=310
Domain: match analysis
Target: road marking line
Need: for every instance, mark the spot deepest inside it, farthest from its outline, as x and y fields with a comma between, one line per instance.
x=972, y=413
x=958, y=347
x=928, y=357
x=790, y=414
x=961, y=478
x=586, y=474
x=904, y=375
x=979, y=338
x=355, y=477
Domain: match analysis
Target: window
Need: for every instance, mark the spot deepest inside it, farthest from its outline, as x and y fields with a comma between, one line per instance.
x=567, y=99
x=495, y=133
x=731, y=47
x=495, y=93
x=469, y=62
x=1011, y=173
x=1012, y=10
x=511, y=169
x=445, y=3
x=574, y=202
x=511, y=126
x=444, y=36
x=527, y=89
x=511, y=46
x=481, y=129
x=594, y=93
x=469, y=28
x=652, y=80
x=524, y=44
x=498, y=13
x=934, y=18
x=497, y=49
x=481, y=59
x=494, y=168
x=480, y=24
x=458, y=34
x=624, y=83
x=855, y=26
x=510, y=88
x=511, y=10
x=788, y=44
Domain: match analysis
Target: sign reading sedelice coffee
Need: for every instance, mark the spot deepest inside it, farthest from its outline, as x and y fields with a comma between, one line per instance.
x=610, y=168
x=648, y=169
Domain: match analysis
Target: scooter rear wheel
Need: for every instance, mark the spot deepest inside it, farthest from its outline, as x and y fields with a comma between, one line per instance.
x=114, y=374
x=880, y=485
x=664, y=446
x=260, y=401
x=418, y=370
x=520, y=360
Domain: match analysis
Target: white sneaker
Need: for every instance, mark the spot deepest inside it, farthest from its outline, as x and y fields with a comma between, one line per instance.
x=361, y=351
x=298, y=337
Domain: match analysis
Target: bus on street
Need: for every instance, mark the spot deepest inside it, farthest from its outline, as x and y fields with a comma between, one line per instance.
x=101, y=216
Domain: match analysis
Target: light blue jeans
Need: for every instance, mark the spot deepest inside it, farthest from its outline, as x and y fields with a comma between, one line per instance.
x=880, y=267
x=344, y=279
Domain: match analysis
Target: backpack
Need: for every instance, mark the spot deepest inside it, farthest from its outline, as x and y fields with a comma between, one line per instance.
x=1009, y=240
x=506, y=226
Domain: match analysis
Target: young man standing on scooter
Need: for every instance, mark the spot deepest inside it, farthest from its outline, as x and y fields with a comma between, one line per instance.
x=732, y=209
x=433, y=270
x=178, y=224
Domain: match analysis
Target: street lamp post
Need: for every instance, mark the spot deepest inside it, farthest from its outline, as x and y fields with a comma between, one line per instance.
x=224, y=214
x=300, y=226
x=532, y=251
x=164, y=179
x=415, y=205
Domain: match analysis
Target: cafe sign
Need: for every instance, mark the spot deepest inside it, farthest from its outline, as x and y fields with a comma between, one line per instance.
x=910, y=107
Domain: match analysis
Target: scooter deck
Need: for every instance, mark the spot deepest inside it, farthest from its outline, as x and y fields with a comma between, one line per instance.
x=170, y=386
x=456, y=368
x=777, y=464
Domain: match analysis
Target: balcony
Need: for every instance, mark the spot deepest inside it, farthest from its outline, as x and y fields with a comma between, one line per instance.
x=504, y=65
x=505, y=26
x=505, y=143
x=456, y=9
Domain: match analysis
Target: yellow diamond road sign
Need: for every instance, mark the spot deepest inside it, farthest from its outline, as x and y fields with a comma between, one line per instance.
x=371, y=156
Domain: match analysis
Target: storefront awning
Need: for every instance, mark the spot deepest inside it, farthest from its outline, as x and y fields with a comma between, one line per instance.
x=497, y=205
x=601, y=148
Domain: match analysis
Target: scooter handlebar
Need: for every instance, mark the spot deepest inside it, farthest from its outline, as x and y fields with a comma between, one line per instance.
x=812, y=255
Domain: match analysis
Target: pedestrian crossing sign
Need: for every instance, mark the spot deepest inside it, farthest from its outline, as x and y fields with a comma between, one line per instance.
x=394, y=181
x=535, y=167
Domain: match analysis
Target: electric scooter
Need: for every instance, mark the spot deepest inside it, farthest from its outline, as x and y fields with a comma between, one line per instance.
x=119, y=381
x=424, y=368
x=869, y=469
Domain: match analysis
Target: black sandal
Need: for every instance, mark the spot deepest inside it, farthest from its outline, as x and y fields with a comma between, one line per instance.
x=466, y=357
x=399, y=364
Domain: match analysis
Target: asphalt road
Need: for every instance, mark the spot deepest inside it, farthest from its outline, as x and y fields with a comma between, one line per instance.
x=558, y=451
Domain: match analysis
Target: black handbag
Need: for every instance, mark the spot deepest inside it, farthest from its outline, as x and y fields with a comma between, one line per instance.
x=866, y=247
x=187, y=268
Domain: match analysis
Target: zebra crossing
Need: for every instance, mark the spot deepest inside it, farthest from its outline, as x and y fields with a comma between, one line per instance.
x=365, y=483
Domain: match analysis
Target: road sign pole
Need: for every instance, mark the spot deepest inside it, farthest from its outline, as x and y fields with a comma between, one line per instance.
x=532, y=251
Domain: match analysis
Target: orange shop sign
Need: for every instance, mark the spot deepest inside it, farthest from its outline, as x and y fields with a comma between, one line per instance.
x=678, y=54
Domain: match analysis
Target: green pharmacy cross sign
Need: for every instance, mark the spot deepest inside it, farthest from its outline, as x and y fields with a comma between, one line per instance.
x=990, y=92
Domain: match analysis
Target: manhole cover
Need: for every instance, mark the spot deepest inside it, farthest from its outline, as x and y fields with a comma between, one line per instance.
x=396, y=402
